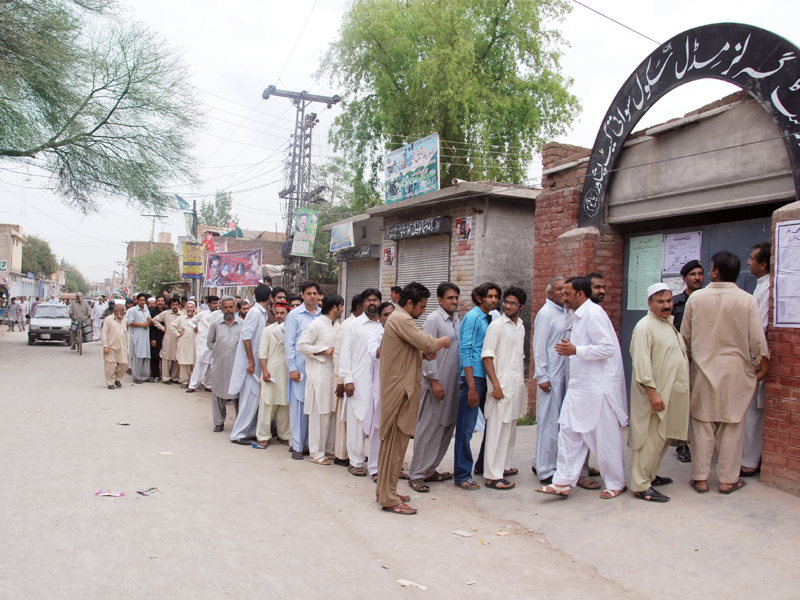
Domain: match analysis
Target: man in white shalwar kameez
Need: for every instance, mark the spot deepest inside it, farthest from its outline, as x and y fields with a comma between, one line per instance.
x=340, y=456
x=503, y=357
x=354, y=370
x=595, y=405
x=754, y=418
x=550, y=375
x=246, y=375
x=98, y=312
x=317, y=343
x=372, y=419
x=201, y=375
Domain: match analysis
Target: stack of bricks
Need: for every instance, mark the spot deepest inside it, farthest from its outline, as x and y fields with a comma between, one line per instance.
x=781, y=451
x=564, y=249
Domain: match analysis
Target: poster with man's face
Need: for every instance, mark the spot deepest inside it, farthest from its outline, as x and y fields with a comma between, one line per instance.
x=305, y=232
x=233, y=269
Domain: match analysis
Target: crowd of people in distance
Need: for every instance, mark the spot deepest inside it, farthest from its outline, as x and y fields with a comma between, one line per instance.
x=299, y=374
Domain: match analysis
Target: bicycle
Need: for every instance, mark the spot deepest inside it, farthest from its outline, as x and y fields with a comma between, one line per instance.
x=76, y=329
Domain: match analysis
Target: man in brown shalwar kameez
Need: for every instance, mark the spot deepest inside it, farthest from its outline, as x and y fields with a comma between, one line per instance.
x=722, y=328
x=402, y=350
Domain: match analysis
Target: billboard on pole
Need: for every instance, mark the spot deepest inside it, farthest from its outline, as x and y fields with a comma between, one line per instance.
x=192, y=263
x=233, y=269
x=413, y=169
x=305, y=232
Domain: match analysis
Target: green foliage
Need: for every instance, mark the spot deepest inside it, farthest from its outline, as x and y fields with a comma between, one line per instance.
x=75, y=281
x=526, y=420
x=103, y=105
x=484, y=74
x=38, y=257
x=216, y=212
x=154, y=268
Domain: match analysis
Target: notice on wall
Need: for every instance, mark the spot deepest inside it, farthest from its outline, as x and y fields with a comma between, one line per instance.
x=679, y=249
x=787, y=274
x=644, y=268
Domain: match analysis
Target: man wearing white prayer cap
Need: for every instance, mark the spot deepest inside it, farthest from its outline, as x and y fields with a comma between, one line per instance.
x=659, y=393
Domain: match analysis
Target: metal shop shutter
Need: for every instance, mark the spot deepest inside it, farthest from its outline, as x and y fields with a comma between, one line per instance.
x=425, y=260
x=361, y=274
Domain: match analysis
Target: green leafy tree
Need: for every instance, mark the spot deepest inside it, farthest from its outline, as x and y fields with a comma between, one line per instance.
x=38, y=257
x=216, y=212
x=102, y=104
x=75, y=281
x=154, y=269
x=484, y=74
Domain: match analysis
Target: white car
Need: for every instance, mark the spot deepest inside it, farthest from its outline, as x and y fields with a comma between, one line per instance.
x=49, y=322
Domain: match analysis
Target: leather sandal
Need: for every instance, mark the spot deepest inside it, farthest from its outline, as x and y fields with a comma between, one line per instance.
x=400, y=509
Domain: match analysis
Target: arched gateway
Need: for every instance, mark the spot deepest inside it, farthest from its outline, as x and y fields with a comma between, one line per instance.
x=756, y=60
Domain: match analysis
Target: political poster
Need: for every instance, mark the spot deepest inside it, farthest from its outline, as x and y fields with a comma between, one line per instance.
x=233, y=269
x=413, y=169
x=192, y=262
x=305, y=232
x=342, y=237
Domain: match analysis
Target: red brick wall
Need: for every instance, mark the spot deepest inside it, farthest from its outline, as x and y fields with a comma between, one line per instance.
x=563, y=249
x=781, y=453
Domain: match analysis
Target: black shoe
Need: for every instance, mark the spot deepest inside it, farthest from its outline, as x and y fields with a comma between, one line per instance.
x=218, y=428
x=167, y=382
x=111, y=387
x=546, y=481
x=306, y=452
x=534, y=470
x=684, y=454
x=342, y=462
x=118, y=384
x=296, y=455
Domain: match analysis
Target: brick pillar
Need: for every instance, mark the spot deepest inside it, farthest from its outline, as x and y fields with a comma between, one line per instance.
x=781, y=456
x=564, y=249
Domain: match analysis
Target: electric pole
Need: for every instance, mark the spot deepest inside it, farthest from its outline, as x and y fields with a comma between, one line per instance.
x=298, y=193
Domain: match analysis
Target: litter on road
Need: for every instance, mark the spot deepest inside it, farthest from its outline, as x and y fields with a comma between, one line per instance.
x=122, y=423
x=462, y=533
x=407, y=583
x=109, y=493
x=148, y=492
x=165, y=453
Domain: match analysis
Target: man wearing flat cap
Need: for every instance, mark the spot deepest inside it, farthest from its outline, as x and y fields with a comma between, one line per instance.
x=659, y=393
x=693, y=277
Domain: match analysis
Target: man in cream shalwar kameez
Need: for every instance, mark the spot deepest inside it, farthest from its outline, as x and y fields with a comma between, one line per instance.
x=114, y=337
x=659, y=393
x=317, y=343
x=595, y=405
x=503, y=358
x=274, y=403
x=722, y=330
x=98, y=310
x=548, y=330
x=170, y=368
x=402, y=351
x=183, y=329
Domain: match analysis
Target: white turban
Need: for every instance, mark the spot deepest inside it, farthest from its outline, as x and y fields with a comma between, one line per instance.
x=656, y=287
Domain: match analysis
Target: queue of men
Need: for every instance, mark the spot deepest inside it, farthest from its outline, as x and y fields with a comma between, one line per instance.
x=295, y=372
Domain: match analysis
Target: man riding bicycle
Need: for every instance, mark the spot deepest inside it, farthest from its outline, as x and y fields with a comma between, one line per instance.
x=79, y=312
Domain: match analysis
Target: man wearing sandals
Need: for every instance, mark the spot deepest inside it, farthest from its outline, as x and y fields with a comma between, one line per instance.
x=722, y=328
x=503, y=358
x=659, y=393
x=438, y=408
x=317, y=344
x=595, y=405
x=402, y=349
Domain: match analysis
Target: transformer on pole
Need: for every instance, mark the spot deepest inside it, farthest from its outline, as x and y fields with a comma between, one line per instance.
x=298, y=193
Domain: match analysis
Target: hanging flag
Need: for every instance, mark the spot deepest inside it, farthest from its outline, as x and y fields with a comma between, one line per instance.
x=231, y=224
x=183, y=204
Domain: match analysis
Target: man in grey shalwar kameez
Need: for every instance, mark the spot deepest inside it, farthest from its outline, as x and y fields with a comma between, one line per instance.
x=550, y=375
x=246, y=376
x=139, y=322
x=223, y=337
x=438, y=408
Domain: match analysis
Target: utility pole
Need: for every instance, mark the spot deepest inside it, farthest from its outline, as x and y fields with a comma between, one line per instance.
x=299, y=193
x=153, y=232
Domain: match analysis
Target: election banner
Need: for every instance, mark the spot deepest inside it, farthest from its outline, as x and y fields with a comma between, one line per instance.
x=413, y=169
x=233, y=269
x=305, y=232
x=342, y=237
x=192, y=263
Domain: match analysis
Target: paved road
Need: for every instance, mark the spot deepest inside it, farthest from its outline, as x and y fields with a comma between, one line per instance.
x=231, y=521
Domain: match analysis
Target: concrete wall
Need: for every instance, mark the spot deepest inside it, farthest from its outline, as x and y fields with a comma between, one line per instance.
x=653, y=181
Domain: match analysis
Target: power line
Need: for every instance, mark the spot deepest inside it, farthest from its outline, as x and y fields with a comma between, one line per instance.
x=298, y=40
x=617, y=22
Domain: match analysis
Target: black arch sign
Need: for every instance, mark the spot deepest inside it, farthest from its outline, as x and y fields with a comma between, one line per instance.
x=756, y=60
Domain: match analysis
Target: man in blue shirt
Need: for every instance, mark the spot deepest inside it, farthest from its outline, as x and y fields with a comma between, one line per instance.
x=472, y=392
x=296, y=321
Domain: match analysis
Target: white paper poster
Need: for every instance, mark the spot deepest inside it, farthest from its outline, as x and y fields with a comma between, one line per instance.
x=787, y=274
x=679, y=249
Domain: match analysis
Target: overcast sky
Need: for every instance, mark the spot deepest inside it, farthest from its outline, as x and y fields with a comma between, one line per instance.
x=236, y=48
